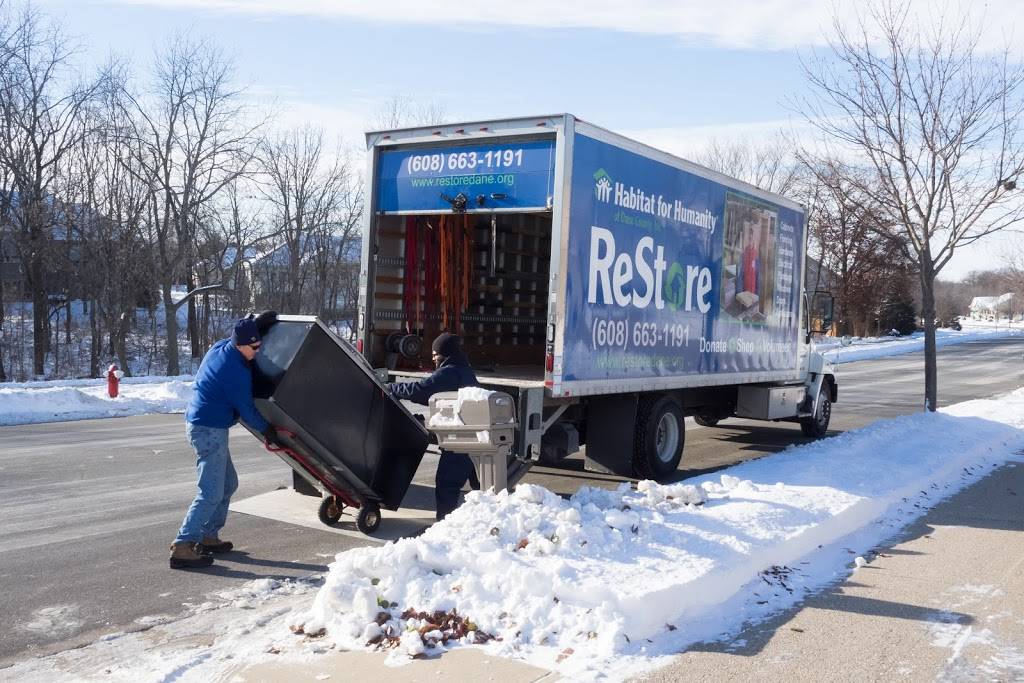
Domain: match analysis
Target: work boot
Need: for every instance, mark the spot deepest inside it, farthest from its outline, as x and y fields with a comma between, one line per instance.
x=212, y=544
x=189, y=556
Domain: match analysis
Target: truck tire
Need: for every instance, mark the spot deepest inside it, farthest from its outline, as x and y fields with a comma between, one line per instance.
x=658, y=437
x=706, y=419
x=817, y=425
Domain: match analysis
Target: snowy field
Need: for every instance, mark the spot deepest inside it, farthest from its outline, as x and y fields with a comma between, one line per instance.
x=606, y=583
x=83, y=399
x=866, y=348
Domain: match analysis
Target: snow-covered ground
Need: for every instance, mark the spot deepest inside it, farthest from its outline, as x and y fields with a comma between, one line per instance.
x=83, y=399
x=866, y=348
x=607, y=582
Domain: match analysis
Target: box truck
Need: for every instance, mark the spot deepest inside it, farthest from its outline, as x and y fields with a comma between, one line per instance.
x=611, y=288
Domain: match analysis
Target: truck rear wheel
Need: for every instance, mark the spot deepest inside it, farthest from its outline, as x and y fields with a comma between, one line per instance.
x=817, y=425
x=658, y=437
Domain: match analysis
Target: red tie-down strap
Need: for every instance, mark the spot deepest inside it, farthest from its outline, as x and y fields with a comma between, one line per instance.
x=344, y=496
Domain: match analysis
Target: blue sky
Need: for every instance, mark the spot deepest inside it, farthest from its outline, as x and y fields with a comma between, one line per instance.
x=673, y=74
x=353, y=63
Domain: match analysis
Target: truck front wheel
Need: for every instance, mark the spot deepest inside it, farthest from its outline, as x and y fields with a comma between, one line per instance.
x=817, y=425
x=658, y=437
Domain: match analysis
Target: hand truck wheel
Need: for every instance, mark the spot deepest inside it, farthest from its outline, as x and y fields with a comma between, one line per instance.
x=369, y=518
x=330, y=510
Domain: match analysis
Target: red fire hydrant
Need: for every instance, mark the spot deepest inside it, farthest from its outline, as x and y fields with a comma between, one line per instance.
x=113, y=379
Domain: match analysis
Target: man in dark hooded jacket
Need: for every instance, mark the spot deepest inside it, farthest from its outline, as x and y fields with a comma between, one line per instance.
x=453, y=372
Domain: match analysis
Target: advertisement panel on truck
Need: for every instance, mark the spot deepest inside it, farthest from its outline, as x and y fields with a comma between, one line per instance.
x=673, y=274
x=514, y=175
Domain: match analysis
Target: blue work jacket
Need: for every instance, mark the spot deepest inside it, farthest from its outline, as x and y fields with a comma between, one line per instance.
x=223, y=390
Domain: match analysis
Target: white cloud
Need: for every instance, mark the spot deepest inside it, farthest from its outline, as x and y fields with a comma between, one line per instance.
x=771, y=24
x=356, y=117
x=346, y=122
x=690, y=142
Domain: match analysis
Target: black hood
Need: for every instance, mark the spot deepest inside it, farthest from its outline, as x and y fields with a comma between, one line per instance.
x=459, y=358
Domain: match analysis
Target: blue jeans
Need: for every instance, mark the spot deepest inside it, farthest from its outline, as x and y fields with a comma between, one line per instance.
x=217, y=482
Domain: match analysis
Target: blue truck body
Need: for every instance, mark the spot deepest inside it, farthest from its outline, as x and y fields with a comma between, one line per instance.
x=663, y=273
x=608, y=278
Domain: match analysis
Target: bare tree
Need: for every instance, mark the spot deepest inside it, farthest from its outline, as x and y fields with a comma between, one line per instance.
x=400, y=111
x=335, y=262
x=852, y=239
x=1012, y=276
x=232, y=232
x=196, y=137
x=41, y=120
x=771, y=165
x=305, y=187
x=113, y=201
x=936, y=125
x=952, y=299
x=6, y=191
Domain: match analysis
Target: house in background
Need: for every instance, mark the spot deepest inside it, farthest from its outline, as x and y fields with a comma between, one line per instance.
x=993, y=307
x=12, y=273
x=68, y=222
x=328, y=278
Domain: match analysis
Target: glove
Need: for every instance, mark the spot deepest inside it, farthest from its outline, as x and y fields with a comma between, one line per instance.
x=265, y=320
x=271, y=438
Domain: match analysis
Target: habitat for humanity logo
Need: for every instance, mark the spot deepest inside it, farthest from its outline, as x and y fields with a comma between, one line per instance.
x=602, y=185
x=609, y=191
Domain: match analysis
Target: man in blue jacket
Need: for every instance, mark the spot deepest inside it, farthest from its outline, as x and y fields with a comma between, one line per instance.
x=453, y=372
x=222, y=394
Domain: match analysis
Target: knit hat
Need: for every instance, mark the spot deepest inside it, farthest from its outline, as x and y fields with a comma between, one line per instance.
x=446, y=345
x=245, y=332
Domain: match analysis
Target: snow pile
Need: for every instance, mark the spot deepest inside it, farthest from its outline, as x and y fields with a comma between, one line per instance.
x=570, y=584
x=443, y=419
x=590, y=574
x=472, y=394
x=33, y=402
x=866, y=348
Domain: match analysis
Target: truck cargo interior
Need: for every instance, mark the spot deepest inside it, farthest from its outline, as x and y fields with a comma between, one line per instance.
x=483, y=275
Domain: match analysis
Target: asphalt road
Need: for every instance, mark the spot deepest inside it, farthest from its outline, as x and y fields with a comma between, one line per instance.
x=88, y=509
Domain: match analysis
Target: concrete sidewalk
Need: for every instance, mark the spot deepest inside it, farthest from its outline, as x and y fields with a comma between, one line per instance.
x=466, y=665
x=945, y=603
